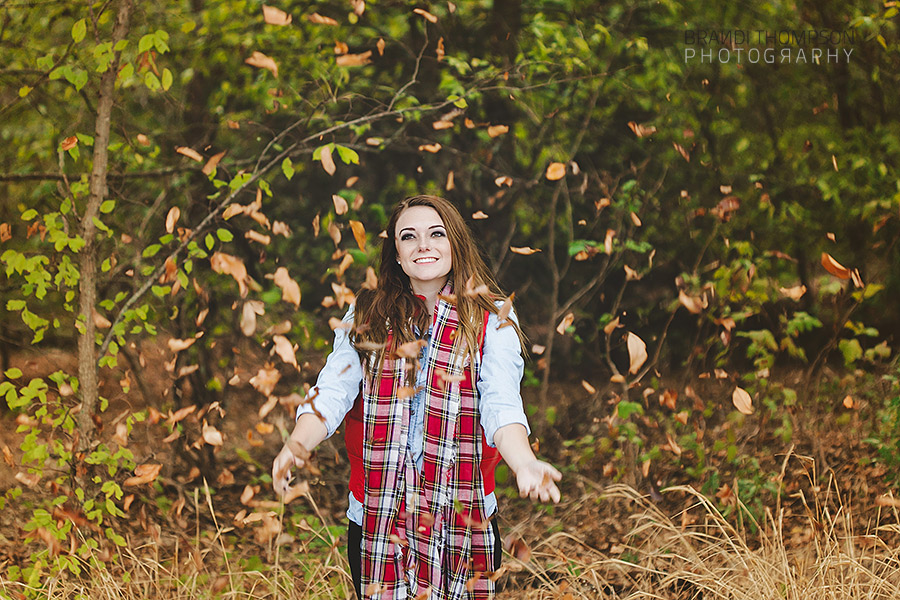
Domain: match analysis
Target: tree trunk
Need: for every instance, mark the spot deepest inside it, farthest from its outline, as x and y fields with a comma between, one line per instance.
x=87, y=258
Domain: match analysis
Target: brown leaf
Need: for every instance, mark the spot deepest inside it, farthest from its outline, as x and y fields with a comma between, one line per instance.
x=379, y=45
x=834, y=267
x=68, y=143
x=637, y=353
x=144, y=474
x=410, y=349
x=439, y=51
x=211, y=164
x=327, y=161
x=121, y=435
x=438, y=125
x=316, y=225
x=635, y=219
x=668, y=398
x=479, y=215
x=340, y=47
x=496, y=130
x=588, y=387
x=143, y=140
x=354, y=60
x=100, y=322
x=433, y=148
x=856, y=278
x=641, y=130
x=565, y=323
x=630, y=274
x=524, y=250
x=607, y=241
x=275, y=16
x=172, y=218
x=556, y=171
x=682, y=151
x=505, y=309
x=692, y=303
x=426, y=15
x=29, y=479
x=211, y=435
x=359, y=234
x=280, y=228
x=371, y=281
x=265, y=380
x=231, y=265
x=290, y=289
x=5, y=232
x=848, y=401
x=320, y=20
x=285, y=350
x=359, y=7
x=340, y=205
x=248, y=316
x=611, y=326
x=887, y=500
x=260, y=60
x=189, y=152
x=177, y=345
x=8, y=457
x=741, y=400
x=450, y=185
x=336, y=324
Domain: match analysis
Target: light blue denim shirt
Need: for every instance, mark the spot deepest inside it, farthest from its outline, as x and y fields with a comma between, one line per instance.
x=500, y=402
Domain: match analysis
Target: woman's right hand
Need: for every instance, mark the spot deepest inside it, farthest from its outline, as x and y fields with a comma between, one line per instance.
x=281, y=468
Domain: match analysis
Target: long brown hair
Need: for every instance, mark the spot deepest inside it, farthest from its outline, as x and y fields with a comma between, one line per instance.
x=393, y=306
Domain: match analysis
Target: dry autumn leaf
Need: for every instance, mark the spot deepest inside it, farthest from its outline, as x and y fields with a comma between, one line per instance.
x=834, y=267
x=354, y=60
x=523, y=250
x=212, y=163
x=741, y=400
x=371, y=281
x=565, y=323
x=426, y=15
x=69, y=143
x=5, y=232
x=555, y=171
x=211, y=435
x=379, y=45
x=290, y=289
x=359, y=234
x=285, y=350
x=320, y=19
x=172, y=218
x=497, y=130
x=439, y=50
x=641, y=130
x=231, y=265
x=340, y=205
x=177, y=345
x=327, y=160
x=249, y=311
x=433, y=148
x=260, y=60
x=794, y=293
x=611, y=326
x=439, y=125
x=506, y=308
x=100, y=322
x=588, y=387
x=257, y=237
x=692, y=303
x=144, y=474
x=637, y=353
x=479, y=215
x=275, y=16
x=265, y=380
x=189, y=152
x=682, y=152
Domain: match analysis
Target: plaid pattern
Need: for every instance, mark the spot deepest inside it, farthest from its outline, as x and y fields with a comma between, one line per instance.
x=425, y=535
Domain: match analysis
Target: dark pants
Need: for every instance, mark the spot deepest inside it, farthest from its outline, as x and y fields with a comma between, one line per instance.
x=354, y=555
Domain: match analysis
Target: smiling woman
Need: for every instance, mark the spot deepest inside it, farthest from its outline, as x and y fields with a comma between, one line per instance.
x=427, y=384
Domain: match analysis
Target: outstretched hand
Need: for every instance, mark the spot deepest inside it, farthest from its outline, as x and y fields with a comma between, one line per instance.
x=287, y=459
x=536, y=481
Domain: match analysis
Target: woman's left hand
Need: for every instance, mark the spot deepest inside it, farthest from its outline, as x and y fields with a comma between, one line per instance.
x=536, y=480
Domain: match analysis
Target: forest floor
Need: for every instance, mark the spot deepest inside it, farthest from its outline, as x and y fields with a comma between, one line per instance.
x=819, y=520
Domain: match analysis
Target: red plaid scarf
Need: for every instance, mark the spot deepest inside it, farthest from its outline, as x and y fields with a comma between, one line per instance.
x=425, y=535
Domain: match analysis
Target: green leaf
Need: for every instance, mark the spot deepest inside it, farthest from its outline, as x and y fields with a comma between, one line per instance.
x=151, y=250
x=24, y=91
x=224, y=235
x=126, y=72
x=13, y=373
x=152, y=81
x=166, y=79
x=29, y=214
x=79, y=29
x=146, y=42
x=851, y=350
x=209, y=241
x=348, y=155
x=626, y=409
x=107, y=206
x=287, y=167
x=13, y=305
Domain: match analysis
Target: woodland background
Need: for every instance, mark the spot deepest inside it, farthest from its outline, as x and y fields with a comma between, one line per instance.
x=702, y=255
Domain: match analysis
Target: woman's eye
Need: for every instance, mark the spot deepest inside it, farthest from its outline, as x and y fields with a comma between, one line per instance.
x=406, y=236
x=437, y=234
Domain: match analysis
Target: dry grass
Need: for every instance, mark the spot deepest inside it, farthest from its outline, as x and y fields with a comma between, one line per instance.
x=694, y=554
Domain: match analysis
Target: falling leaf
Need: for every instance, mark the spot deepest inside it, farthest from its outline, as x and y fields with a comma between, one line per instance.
x=371, y=281
x=450, y=185
x=265, y=380
x=741, y=400
x=407, y=392
x=345, y=264
x=668, y=398
x=410, y=349
x=336, y=324
x=260, y=60
x=635, y=219
x=834, y=162
x=69, y=143
x=611, y=326
x=504, y=180
x=834, y=267
x=359, y=7
x=290, y=289
x=143, y=140
x=189, y=152
x=608, y=240
x=496, y=130
x=340, y=47
x=565, y=323
x=257, y=237
x=275, y=16
x=726, y=207
x=641, y=130
x=630, y=274
x=479, y=215
x=144, y=474
x=279, y=228
x=284, y=349
x=692, y=303
x=682, y=151
x=848, y=401
x=248, y=316
x=177, y=345
x=438, y=125
x=472, y=290
x=231, y=265
x=506, y=308
x=380, y=46
x=556, y=171
x=172, y=218
x=433, y=148
x=211, y=435
x=100, y=322
x=794, y=293
x=212, y=163
x=359, y=234
x=320, y=20
x=354, y=60
x=439, y=51
x=426, y=15
x=340, y=205
x=523, y=250
x=588, y=387
x=327, y=160
x=315, y=226
x=637, y=353
x=5, y=232
x=857, y=278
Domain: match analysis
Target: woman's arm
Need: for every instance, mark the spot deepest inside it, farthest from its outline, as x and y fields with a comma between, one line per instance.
x=309, y=432
x=535, y=477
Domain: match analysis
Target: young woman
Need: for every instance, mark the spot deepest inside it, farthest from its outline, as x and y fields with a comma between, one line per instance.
x=428, y=380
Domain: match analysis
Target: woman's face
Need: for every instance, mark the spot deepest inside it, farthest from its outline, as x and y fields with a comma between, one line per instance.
x=423, y=247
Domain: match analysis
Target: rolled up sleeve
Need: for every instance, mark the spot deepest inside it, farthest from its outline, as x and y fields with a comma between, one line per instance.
x=337, y=385
x=500, y=378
